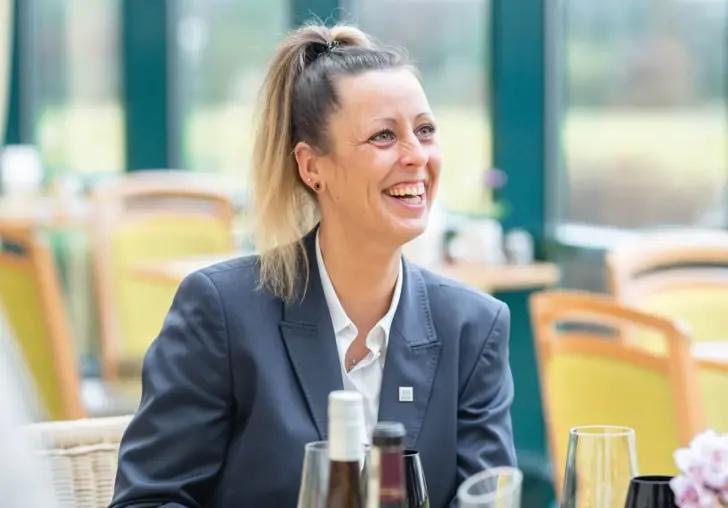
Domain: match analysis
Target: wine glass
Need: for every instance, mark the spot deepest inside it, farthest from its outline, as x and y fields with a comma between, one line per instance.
x=600, y=463
x=414, y=479
x=315, y=475
x=498, y=487
x=650, y=492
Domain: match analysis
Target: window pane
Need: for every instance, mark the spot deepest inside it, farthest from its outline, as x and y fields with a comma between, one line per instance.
x=75, y=73
x=645, y=133
x=447, y=41
x=224, y=46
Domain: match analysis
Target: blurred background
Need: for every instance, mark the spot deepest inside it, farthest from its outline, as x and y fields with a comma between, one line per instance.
x=570, y=128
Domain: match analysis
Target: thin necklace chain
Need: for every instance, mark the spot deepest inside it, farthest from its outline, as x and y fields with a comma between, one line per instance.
x=352, y=364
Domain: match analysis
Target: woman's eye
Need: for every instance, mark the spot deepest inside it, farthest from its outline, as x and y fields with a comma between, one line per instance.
x=427, y=130
x=382, y=137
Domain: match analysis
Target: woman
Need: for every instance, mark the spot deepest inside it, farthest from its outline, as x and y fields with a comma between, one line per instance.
x=238, y=379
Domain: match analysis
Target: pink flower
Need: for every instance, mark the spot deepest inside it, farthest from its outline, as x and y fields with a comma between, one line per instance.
x=690, y=463
x=691, y=494
x=706, y=460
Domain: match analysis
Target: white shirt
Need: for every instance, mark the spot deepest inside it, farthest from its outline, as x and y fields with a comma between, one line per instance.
x=366, y=376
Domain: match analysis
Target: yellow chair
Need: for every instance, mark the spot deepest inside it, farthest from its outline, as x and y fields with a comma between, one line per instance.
x=150, y=219
x=680, y=275
x=32, y=302
x=590, y=376
x=713, y=383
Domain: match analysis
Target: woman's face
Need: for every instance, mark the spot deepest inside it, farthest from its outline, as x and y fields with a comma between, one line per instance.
x=380, y=176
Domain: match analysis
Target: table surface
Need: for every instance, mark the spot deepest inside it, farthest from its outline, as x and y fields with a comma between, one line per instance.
x=44, y=211
x=716, y=351
x=481, y=275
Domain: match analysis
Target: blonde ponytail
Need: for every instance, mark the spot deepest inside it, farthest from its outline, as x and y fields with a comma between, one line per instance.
x=292, y=109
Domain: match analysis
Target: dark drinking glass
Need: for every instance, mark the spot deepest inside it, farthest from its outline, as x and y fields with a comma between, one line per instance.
x=386, y=479
x=414, y=481
x=346, y=450
x=650, y=492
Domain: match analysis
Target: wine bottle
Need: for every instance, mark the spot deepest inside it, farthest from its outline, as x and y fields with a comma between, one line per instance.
x=386, y=479
x=346, y=450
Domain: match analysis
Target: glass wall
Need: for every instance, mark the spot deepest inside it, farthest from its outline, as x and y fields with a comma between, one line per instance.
x=644, y=126
x=645, y=117
x=224, y=47
x=447, y=40
x=75, y=74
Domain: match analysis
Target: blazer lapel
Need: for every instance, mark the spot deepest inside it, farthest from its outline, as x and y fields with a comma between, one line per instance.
x=413, y=353
x=309, y=338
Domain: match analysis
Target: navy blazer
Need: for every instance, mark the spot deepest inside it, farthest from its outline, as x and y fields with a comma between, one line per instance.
x=237, y=383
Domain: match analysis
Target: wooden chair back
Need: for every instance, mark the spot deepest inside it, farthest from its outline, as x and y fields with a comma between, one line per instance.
x=590, y=376
x=146, y=219
x=34, y=308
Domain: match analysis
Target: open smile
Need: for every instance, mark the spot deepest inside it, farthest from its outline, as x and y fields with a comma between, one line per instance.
x=412, y=195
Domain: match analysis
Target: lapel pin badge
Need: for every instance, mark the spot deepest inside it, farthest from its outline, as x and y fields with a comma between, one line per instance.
x=406, y=394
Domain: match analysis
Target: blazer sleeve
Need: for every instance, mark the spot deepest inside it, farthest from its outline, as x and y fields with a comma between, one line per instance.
x=174, y=447
x=485, y=433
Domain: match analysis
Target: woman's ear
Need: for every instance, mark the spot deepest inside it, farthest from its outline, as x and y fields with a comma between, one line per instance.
x=308, y=169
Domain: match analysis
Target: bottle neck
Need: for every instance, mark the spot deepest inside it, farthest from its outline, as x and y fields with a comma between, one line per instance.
x=387, y=484
x=345, y=440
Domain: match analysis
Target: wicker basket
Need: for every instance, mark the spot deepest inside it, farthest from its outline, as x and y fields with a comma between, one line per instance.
x=82, y=456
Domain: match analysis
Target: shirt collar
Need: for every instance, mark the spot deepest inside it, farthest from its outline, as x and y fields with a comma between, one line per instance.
x=339, y=319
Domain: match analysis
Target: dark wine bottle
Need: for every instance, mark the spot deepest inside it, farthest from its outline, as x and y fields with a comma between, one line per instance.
x=346, y=450
x=386, y=478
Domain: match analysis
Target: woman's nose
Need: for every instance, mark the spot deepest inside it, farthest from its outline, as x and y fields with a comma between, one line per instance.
x=413, y=153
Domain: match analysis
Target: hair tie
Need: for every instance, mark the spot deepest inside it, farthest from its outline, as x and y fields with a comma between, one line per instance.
x=316, y=49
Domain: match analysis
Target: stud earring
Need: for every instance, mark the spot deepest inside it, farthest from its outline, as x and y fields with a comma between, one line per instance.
x=316, y=186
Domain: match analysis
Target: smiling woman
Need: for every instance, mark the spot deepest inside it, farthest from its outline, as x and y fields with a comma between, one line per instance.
x=348, y=146
x=346, y=168
x=380, y=160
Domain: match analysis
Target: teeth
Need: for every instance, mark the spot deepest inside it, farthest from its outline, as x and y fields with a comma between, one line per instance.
x=413, y=200
x=408, y=190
